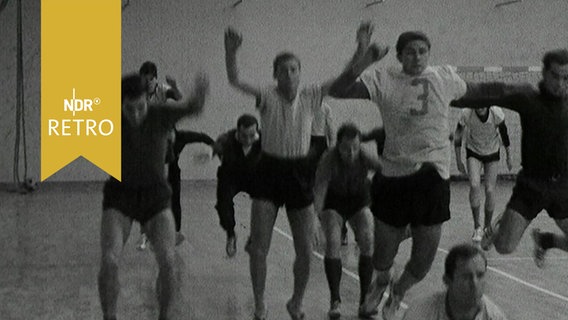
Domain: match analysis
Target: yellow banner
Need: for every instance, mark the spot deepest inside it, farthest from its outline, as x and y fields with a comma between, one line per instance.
x=80, y=84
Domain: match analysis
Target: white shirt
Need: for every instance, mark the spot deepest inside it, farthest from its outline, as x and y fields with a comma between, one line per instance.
x=415, y=112
x=483, y=137
x=287, y=126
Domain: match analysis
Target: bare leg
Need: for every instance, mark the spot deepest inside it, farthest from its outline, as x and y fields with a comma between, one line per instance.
x=115, y=229
x=263, y=216
x=161, y=232
x=474, y=172
x=491, y=170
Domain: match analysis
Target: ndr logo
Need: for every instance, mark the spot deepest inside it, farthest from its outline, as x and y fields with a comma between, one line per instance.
x=75, y=105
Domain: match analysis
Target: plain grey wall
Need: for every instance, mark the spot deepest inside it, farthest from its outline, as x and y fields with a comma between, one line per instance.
x=183, y=37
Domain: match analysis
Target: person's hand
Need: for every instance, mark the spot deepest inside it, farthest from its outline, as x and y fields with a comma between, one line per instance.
x=171, y=81
x=200, y=91
x=364, y=34
x=461, y=167
x=233, y=40
x=372, y=54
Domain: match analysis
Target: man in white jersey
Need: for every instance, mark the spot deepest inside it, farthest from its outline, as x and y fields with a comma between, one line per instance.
x=464, y=299
x=284, y=172
x=413, y=187
x=482, y=152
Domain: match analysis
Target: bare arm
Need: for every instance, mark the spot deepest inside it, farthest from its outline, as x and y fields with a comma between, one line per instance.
x=233, y=41
x=346, y=85
x=458, y=147
x=173, y=92
x=193, y=105
x=487, y=94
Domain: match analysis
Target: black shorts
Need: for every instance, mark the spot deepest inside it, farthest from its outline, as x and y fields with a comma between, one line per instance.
x=285, y=182
x=483, y=159
x=531, y=195
x=138, y=203
x=420, y=199
x=346, y=205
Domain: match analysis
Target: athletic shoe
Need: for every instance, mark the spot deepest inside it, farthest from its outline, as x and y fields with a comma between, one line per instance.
x=372, y=298
x=295, y=315
x=143, y=242
x=392, y=305
x=477, y=235
x=231, y=247
x=334, y=310
x=488, y=238
x=539, y=252
x=367, y=315
x=179, y=238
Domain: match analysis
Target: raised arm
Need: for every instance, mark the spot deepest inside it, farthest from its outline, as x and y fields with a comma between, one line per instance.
x=233, y=41
x=346, y=85
x=173, y=92
x=191, y=106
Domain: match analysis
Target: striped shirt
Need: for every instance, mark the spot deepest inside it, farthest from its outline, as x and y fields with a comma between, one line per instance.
x=287, y=126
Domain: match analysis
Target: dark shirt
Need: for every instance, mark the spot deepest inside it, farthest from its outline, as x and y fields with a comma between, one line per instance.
x=234, y=162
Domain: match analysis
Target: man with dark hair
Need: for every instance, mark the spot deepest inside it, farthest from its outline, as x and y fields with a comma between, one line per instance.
x=543, y=181
x=464, y=298
x=342, y=194
x=239, y=151
x=143, y=194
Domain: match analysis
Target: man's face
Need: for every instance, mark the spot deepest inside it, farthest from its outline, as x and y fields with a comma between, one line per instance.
x=555, y=80
x=349, y=149
x=468, y=282
x=414, y=57
x=288, y=75
x=135, y=110
x=150, y=82
x=247, y=136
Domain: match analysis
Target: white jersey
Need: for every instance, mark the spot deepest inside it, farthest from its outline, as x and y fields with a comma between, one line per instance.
x=483, y=137
x=415, y=112
x=434, y=308
x=287, y=126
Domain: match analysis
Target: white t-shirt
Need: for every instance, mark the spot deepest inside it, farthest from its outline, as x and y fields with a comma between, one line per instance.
x=287, y=126
x=483, y=137
x=415, y=112
x=433, y=307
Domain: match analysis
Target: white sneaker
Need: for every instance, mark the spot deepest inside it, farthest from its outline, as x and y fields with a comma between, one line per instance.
x=372, y=298
x=539, y=252
x=392, y=305
x=143, y=242
x=477, y=235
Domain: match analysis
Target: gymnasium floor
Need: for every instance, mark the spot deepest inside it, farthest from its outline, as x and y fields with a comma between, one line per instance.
x=50, y=254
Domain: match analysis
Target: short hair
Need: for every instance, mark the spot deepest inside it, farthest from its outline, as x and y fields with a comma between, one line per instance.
x=348, y=131
x=148, y=67
x=463, y=251
x=132, y=87
x=246, y=121
x=409, y=36
x=559, y=56
x=281, y=58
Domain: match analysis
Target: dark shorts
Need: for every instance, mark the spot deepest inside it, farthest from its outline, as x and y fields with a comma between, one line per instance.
x=420, y=199
x=138, y=203
x=530, y=196
x=284, y=182
x=482, y=158
x=346, y=206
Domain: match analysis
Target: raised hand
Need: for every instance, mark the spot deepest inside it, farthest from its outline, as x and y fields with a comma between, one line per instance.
x=171, y=81
x=200, y=91
x=364, y=33
x=233, y=40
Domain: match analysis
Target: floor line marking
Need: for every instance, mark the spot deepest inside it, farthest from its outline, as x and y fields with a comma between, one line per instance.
x=521, y=281
x=321, y=257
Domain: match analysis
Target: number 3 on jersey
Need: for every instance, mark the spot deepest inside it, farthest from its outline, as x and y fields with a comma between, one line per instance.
x=423, y=97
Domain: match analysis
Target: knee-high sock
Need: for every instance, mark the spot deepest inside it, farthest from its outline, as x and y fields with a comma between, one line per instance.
x=333, y=273
x=365, y=275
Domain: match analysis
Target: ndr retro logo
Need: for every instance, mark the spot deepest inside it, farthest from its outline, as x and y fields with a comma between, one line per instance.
x=80, y=126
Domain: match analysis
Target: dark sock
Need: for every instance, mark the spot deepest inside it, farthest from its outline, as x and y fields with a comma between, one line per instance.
x=231, y=233
x=546, y=240
x=333, y=273
x=365, y=275
x=110, y=318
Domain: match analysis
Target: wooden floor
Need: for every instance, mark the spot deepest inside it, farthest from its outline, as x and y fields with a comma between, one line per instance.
x=50, y=255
